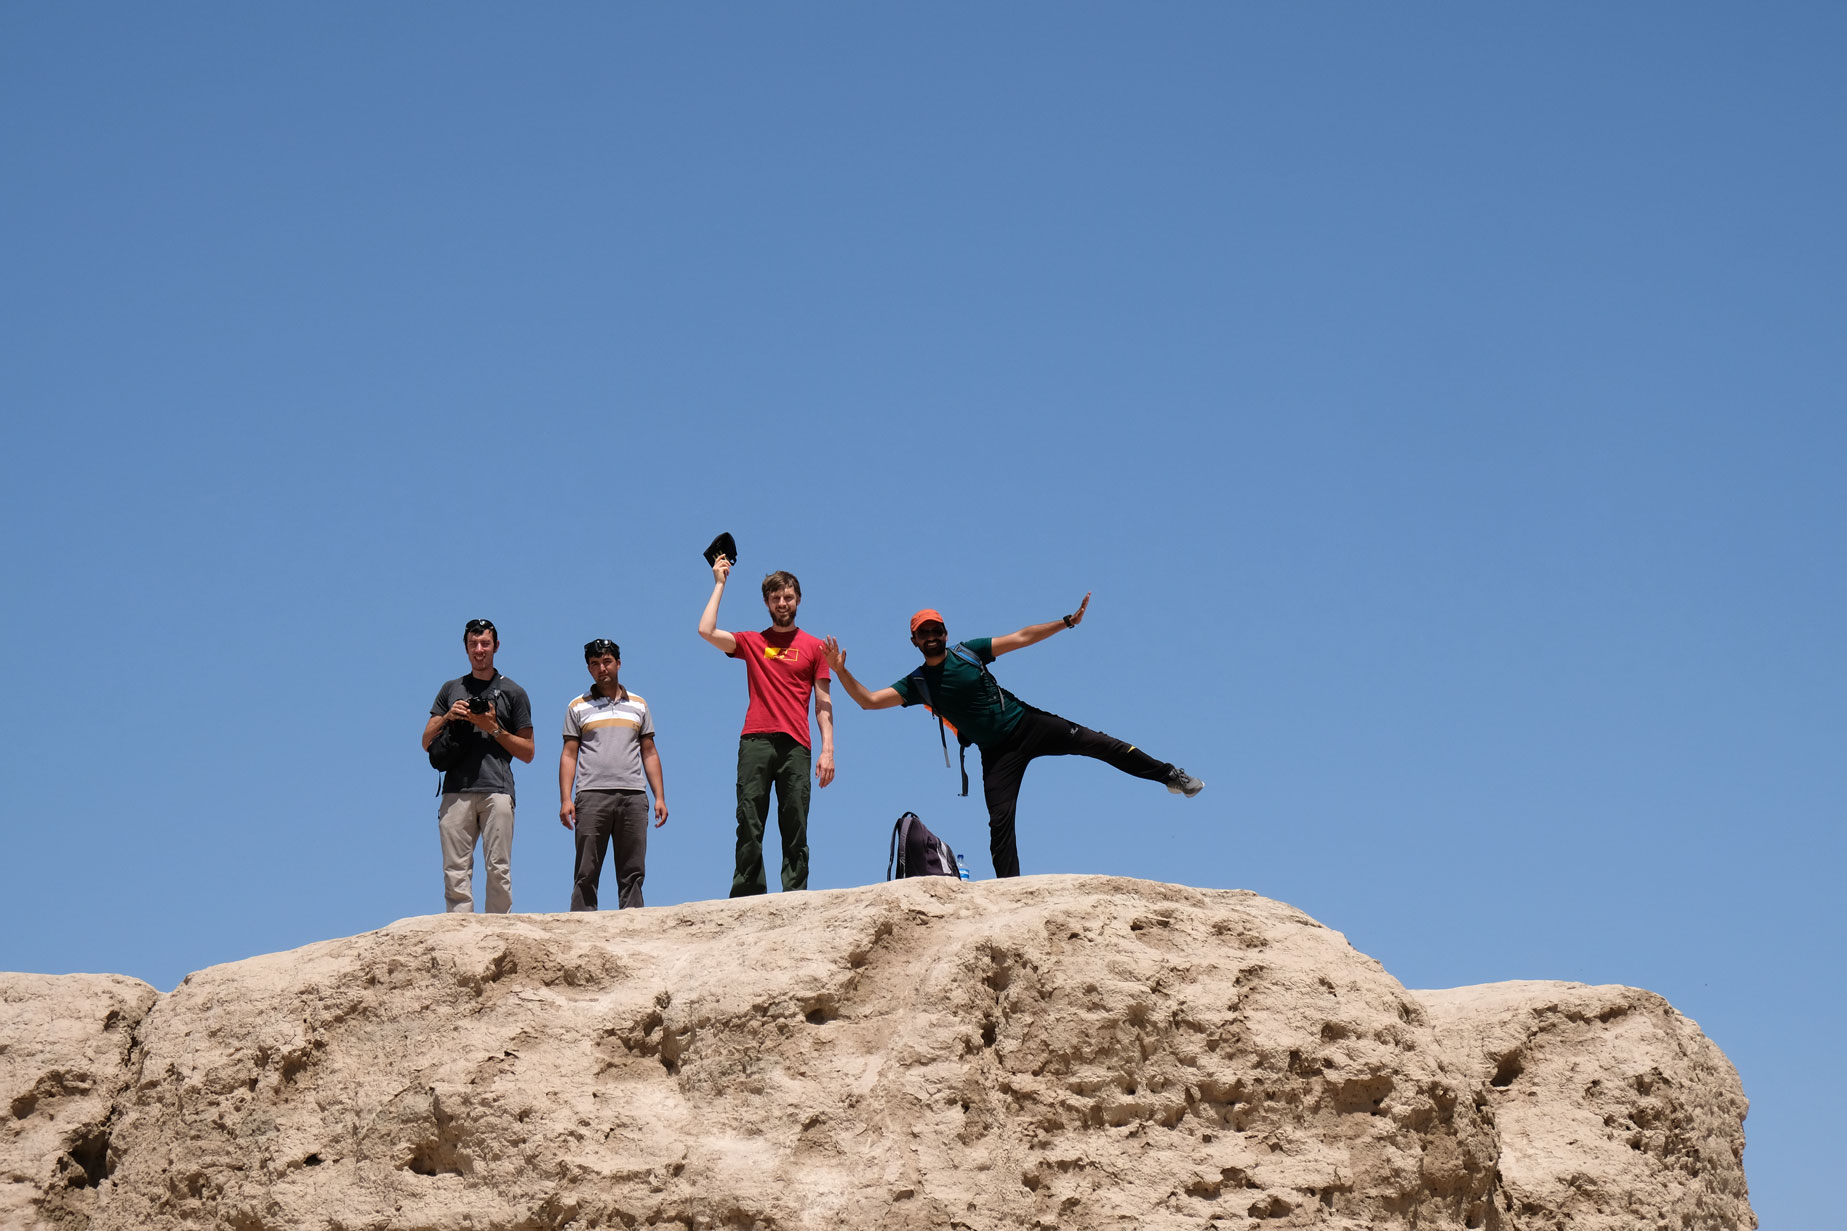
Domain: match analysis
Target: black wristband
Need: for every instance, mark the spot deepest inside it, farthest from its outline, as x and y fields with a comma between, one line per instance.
x=1068, y=623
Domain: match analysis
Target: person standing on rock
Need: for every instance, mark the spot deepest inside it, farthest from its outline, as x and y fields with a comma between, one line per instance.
x=608, y=749
x=783, y=668
x=477, y=792
x=956, y=684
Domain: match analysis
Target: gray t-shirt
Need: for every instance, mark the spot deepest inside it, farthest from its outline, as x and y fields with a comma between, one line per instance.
x=609, y=731
x=488, y=767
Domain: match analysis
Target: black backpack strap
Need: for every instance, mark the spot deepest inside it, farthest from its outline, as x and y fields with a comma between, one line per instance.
x=972, y=659
x=923, y=690
x=900, y=840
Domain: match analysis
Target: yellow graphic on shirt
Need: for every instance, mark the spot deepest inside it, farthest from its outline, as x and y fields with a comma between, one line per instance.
x=786, y=653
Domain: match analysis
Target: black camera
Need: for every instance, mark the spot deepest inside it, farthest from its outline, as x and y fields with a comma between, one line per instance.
x=481, y=703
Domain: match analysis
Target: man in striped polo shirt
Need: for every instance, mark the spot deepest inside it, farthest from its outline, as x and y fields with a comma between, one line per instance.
x=608, y=748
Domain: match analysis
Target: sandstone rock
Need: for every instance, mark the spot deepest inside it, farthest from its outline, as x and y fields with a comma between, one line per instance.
x=1613, y=1111
x=1067, y=1052
x=65, y=1058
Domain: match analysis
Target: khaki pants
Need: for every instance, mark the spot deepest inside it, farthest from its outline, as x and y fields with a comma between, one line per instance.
x=464, y=817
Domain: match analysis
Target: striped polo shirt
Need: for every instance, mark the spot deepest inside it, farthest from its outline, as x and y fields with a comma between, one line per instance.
x=608, y=731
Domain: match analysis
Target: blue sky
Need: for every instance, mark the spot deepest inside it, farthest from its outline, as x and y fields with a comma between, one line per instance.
x=1444, y=406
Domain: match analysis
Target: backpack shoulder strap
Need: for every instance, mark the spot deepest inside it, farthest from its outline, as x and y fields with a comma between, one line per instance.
x=891, y=860
x=916, y=679
x=970, y=657
x=974, y=660
x=923, y=690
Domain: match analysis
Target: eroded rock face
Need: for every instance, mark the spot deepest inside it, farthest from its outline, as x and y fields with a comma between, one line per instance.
x=1067, y=1052
x=66, y=1055
x=1613, y=1111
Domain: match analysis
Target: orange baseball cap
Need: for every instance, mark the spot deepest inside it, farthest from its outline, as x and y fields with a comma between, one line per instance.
x=925, y=616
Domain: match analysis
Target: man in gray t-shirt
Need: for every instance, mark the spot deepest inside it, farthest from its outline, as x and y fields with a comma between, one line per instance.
x=608, y=752
x=493, y=719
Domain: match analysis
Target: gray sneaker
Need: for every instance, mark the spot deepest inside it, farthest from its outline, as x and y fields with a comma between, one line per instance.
x=1182, y=783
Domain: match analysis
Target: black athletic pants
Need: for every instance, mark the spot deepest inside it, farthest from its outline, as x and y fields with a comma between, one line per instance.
x=1003, y=767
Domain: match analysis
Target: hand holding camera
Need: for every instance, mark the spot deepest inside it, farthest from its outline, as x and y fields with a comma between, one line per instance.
x=478, y=711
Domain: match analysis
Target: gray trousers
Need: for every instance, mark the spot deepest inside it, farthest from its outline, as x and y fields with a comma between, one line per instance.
x=464, y=817
x=601, y=816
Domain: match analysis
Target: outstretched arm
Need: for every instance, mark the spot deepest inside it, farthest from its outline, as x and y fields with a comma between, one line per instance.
x=883, y=699
x=1033, y=634
x=708, y=620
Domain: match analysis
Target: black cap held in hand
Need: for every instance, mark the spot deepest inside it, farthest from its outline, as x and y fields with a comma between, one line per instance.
x=724, y=545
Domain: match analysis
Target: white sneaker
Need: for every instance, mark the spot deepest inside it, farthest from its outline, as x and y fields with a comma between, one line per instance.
x=1182, y=783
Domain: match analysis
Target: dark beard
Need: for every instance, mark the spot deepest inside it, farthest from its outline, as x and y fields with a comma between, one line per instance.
x=782, y=621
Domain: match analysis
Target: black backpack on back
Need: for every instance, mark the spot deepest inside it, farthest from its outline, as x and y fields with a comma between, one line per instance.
x=446, y=750
x=923, y=690
x=915, y=851
x=450, y=750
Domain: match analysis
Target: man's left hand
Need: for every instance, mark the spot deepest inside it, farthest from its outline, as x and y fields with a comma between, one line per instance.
x=1077, y=617
x=824, y=768
x=487, y=723
x=660, y=812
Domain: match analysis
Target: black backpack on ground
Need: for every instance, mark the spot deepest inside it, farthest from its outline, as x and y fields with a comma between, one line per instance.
x=915, y=851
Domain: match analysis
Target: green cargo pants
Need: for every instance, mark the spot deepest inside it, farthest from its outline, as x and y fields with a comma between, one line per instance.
x=762, y=760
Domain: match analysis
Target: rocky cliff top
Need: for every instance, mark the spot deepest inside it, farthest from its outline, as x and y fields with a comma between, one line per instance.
x=1054, y=1051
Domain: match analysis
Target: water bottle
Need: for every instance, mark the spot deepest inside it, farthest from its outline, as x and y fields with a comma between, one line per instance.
x=961, y=868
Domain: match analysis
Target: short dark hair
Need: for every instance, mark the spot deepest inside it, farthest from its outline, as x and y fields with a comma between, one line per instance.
x=778, y=580
x=474, y=628
x=600, y=647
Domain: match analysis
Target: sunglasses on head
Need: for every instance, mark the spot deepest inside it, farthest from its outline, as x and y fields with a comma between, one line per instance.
x=600, y=647
x=475, y=628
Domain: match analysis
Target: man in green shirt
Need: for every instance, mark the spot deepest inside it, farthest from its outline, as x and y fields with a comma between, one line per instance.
x=956, y=684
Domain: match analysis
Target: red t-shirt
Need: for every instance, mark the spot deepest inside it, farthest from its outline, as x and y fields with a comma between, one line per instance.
x=782, y=668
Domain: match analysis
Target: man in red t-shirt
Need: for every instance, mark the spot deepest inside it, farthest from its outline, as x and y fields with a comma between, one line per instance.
x=783, y=667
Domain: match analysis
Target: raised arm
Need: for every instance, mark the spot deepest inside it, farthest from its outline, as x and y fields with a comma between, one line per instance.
x=1033, y=634
x=708, y=620
x=883, y=699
